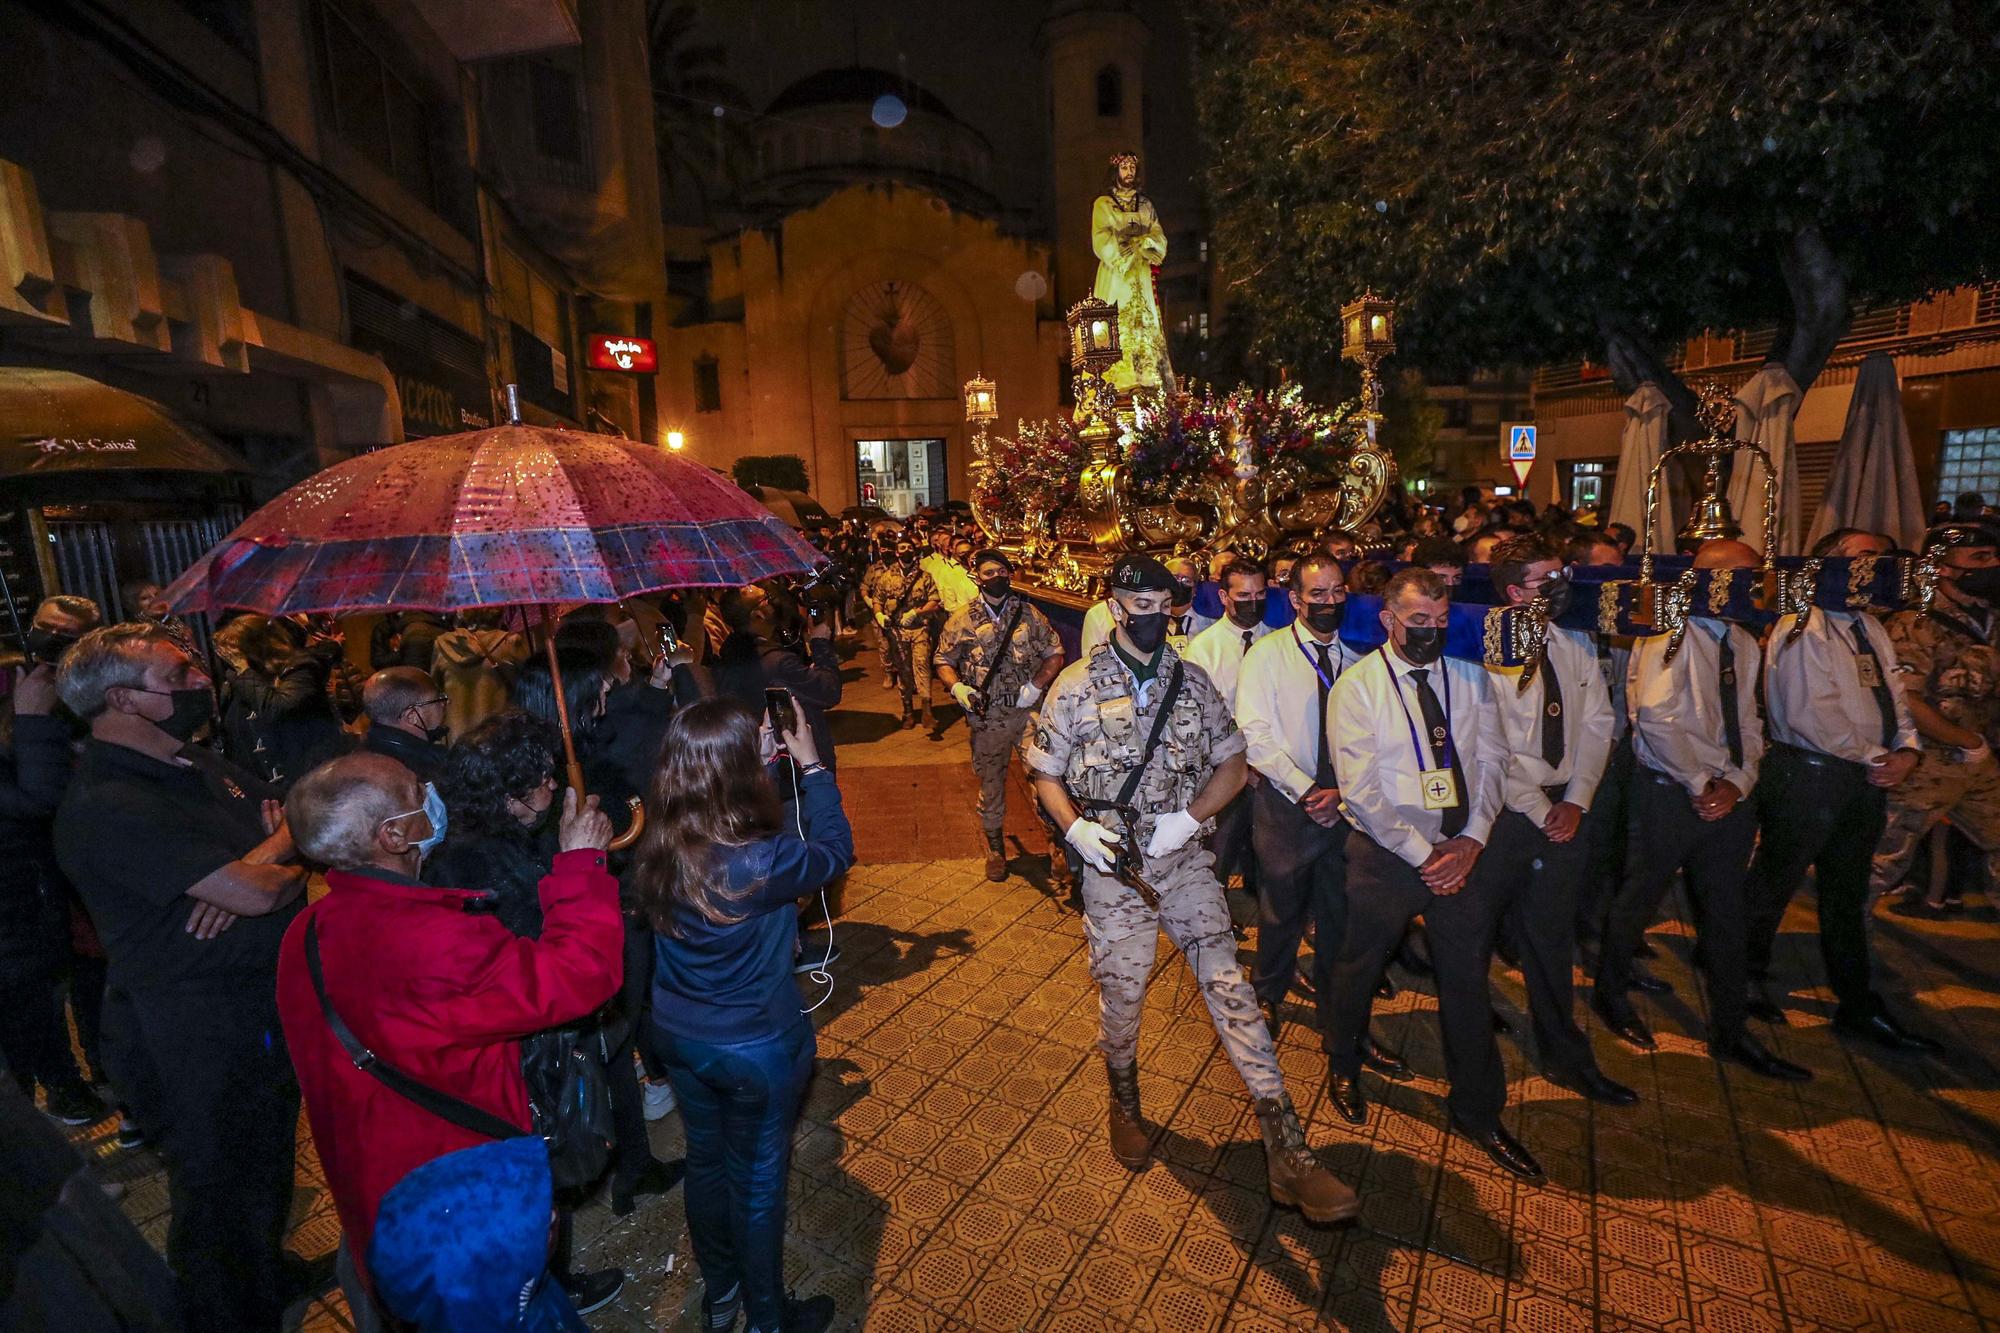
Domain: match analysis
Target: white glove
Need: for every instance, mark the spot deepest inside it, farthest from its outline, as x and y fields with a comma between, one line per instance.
x=1094, y=842
x=1975, y=754
x=965, y=695
x=1030, y=695
x=1171, y=833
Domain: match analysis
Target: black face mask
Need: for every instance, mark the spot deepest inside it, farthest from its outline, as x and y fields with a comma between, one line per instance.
x=1325, y=617
x=1147, y=632
x=1247, y=611
x=47, y=646
x=905, y=557
x=1424, y=644
x=193, y=709
x=996, y=590
x=1558, y=592
x=1982, y=584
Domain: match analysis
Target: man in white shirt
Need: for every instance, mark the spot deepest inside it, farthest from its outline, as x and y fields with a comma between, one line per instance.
x=1421, y=764
x=1841, y=737
x=1558, y=736
x=1697, y=744
x=1606, y=826
x=1283, y=705
x=1183, y=621
x=954, y=582
x=1098, y=623
x=1219, y=651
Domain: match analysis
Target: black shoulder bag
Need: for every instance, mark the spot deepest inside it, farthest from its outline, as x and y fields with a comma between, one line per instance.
x=569, y=1098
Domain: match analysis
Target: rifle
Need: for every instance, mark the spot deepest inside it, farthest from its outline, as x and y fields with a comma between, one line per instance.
x=1125, y=861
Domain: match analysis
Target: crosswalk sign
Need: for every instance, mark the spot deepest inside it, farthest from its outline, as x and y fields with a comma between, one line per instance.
x=1520, y=443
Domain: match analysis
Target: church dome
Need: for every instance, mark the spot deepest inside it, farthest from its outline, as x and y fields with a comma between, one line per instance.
x=825, y=132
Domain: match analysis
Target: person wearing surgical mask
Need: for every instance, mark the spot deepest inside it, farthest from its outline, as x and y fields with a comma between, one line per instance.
x=1558, y=730
x=1421, y=762
x=187, y=867
x=406, y=719
x=430, y=974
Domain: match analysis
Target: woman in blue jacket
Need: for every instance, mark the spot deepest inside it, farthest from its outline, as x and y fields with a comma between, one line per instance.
x=720, y=870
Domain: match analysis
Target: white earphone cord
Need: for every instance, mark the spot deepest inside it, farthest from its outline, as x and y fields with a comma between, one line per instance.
x=819, y=974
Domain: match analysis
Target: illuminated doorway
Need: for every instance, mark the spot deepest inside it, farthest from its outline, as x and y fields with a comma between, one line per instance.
x=902, y=476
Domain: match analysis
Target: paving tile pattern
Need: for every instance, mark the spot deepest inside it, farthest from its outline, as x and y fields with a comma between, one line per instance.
x=950, y=1170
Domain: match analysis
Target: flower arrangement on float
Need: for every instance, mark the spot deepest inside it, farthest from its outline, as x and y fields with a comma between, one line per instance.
x=1196, y=435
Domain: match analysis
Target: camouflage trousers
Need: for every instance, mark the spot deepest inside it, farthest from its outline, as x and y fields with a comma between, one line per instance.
x=913, y=666
x=1124, y=932
x=995, y=739
x=1937, y=788
x=885, y=643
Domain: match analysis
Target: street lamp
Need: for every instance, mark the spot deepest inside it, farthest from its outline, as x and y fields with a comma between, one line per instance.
x=676, y=441
x=1367, y=335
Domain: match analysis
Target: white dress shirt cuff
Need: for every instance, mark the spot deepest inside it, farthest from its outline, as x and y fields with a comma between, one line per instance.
x=1580, y=794
x=1410, y=845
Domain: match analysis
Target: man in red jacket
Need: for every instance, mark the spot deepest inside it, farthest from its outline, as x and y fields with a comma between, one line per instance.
x=427, y=978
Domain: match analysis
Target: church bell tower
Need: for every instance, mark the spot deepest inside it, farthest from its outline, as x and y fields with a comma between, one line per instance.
x=1093, y=67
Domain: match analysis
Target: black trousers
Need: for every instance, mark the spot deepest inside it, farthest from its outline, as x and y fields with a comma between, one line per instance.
x=1384, y=893
x=225, y=1108
x=1232, y=842
x=1536, y=883
x=1302, y=873
x=34, y=1041
x=1820, y=812
x=1665, y=836
x=1607, y=826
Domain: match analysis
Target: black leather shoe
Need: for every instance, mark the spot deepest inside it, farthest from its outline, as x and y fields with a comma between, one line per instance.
x=1765, y=1010
x=1501, y=1027
x=1345, y=1095
x=1592, y=1084
x=1887, y=1033
x=1273, y=1019
x=1382, y=1060
x=1385, y=989
x=1746, y=1051
x=1506, y=1151
x=1624, y=1024
x=1647, y=984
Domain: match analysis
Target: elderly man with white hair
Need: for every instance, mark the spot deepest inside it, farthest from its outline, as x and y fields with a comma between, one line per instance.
x=181, y=858
x=426, y=978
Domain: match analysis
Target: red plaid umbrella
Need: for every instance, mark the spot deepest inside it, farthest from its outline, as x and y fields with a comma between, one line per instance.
x=501, y=517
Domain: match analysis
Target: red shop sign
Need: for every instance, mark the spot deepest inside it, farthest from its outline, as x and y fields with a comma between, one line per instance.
x=621, y=352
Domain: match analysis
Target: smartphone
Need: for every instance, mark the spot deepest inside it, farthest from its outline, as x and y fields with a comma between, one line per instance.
x=784, y=714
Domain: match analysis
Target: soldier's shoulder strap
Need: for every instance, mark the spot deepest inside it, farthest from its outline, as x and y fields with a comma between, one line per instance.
x=1167, y=700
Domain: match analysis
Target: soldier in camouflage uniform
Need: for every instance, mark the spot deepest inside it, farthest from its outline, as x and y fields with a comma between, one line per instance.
x=1088, y=740
x=996, y=656
x=908, y=598
x=871, y=596
x=1950, y=672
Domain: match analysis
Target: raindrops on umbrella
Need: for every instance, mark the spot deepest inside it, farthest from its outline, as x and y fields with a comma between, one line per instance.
x=888, y=111
x=1031, y=286
x=149, y=153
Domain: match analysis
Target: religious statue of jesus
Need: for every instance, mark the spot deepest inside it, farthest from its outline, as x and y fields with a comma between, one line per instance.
x=1125, y=233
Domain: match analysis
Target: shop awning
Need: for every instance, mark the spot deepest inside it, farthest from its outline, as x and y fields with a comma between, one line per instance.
x=57, y=423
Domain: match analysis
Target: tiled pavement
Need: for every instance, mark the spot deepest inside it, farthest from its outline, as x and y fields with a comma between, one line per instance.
x=951, y=1172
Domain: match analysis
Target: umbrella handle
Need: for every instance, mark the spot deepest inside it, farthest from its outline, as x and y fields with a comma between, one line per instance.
x=575, y=769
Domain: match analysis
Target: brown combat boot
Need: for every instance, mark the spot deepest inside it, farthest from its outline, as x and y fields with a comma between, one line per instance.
x=1297, y=1178
x=996, y=856
x=1131, y=1137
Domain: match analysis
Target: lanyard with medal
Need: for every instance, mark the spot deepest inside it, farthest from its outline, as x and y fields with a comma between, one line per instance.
x=1439, y=789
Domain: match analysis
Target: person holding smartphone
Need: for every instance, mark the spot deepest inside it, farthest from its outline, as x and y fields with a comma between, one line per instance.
x=719, y=871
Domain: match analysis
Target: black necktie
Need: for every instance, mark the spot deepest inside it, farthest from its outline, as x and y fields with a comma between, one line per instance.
x=1325, y=777
x=1249, y=637
x=1884, y=700
x=1552, y=715
x=1732, y=726
x=1441, y=751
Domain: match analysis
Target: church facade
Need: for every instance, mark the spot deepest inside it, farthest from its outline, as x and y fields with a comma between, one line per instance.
x=876, y=268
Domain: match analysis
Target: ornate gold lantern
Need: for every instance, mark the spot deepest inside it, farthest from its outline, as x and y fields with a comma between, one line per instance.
x=981, y=407
x=1093, y=349
x=1367, y=336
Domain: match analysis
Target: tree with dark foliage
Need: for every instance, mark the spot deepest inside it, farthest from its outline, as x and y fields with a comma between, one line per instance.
x=1537, y=180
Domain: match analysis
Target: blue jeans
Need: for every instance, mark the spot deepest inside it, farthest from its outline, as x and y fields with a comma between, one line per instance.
x=738, y=1106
